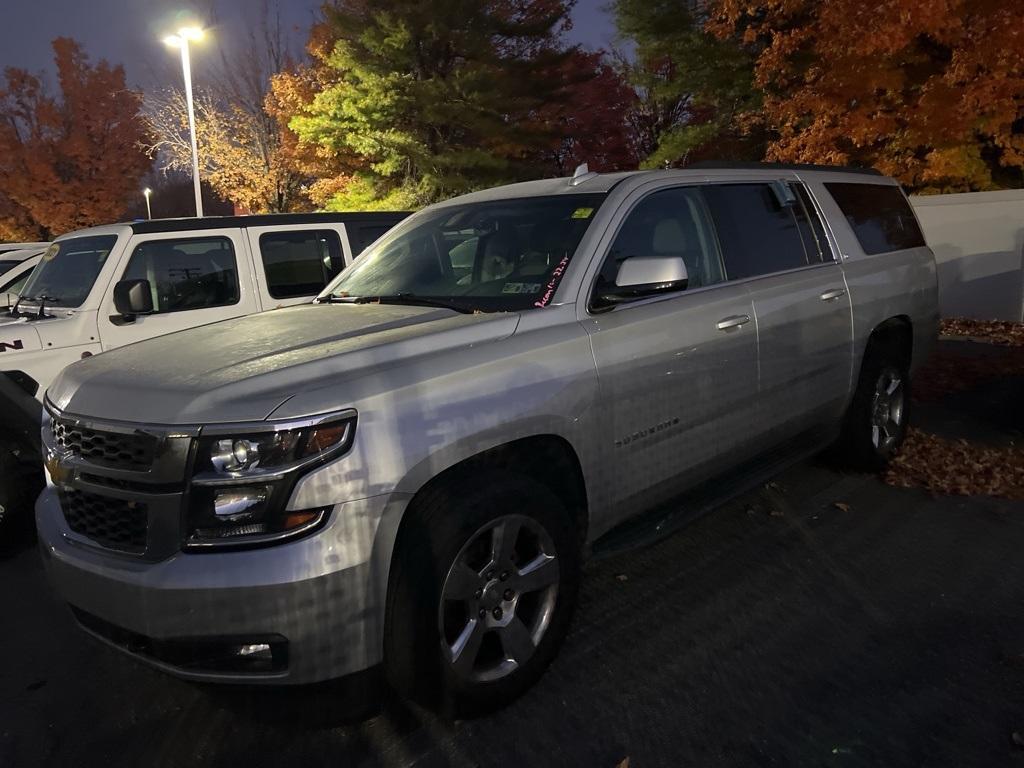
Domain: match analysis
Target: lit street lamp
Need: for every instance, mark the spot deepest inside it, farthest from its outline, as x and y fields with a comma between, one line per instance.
x=146, y=193
x=181, y=40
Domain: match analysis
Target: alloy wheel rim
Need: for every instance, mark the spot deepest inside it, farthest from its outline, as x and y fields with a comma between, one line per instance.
x=887, y=410
x=498, y=598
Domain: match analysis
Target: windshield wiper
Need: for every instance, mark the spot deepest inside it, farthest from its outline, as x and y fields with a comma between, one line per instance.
x=41, y=299
x=402, y=298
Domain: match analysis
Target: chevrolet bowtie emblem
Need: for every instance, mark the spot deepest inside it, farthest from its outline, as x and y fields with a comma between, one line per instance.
x=59, y=474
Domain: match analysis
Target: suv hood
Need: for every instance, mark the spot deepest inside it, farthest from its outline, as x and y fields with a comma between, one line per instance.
x=243, y=369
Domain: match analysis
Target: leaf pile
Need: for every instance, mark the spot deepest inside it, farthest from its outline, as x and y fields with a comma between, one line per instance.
x=957, y=467
x=991, y=331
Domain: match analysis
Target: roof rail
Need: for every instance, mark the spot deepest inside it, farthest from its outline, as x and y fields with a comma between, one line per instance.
x=749, y=166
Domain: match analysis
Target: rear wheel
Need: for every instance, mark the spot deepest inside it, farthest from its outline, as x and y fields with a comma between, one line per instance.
x=876, y=423
x=482, y=591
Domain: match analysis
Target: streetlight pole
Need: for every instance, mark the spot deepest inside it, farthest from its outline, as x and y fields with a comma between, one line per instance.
x=181, y=40
x=149, y=211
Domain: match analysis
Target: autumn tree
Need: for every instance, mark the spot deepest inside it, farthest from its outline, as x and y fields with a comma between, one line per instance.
x=929, y=92
x=70, y=161
x=244, y=149
x=431, y=99
x=588, y=123
x=694, y=92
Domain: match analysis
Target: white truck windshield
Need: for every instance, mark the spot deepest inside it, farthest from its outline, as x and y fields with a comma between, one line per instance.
x=67, y=271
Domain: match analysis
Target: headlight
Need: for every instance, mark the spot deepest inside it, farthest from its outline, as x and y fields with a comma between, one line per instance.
x=243, y=480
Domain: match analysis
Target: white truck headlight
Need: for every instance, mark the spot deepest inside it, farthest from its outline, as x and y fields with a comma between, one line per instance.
x=243, y=479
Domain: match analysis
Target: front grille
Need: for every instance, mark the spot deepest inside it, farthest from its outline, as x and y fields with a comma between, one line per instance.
x=111, y=523
x=117, y=450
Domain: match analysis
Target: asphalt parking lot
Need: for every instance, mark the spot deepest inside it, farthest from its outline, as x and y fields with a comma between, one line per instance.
x=781, y=629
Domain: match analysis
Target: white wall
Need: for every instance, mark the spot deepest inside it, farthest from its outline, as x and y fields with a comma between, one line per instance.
x=978, y=240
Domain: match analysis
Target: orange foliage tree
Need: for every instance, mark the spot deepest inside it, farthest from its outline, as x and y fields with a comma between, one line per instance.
x=70, y=162
x=928, y=91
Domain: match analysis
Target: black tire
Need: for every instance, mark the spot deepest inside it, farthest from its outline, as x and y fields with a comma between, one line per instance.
x=442, y=522
x=859, y=447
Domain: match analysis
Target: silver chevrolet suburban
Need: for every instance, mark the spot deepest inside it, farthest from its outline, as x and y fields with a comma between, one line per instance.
x=410, y=471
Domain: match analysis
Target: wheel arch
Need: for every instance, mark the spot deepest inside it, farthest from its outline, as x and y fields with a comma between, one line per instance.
x=895, y=336
x=549, y=458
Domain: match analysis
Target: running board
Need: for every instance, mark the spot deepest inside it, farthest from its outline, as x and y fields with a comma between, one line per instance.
x=673, y=515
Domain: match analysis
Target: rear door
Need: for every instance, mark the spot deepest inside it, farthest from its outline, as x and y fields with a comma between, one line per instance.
x=194, y=278
x=293, y=264
x=773, y=242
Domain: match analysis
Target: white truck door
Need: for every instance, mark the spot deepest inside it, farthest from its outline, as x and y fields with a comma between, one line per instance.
x=293, y=263
x=195, y=278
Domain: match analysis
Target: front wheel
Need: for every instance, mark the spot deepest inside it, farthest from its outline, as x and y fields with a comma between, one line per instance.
x=483, y=587
x=876, y=423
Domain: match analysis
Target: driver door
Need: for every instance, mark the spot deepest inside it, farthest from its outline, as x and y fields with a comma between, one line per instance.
x=677, y=372
x=195, y=279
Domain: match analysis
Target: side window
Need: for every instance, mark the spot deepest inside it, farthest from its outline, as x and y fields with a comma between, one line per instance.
x=879, y=216
x=362, y=237
x=758, y=233
x=196, y=273
x=300, y=262
x=15, y=286
x=672, y=222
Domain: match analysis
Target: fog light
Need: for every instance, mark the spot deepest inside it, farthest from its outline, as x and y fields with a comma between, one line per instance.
x=256, y=651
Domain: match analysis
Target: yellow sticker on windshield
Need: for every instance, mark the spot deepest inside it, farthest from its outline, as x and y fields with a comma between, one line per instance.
x=51, y=252
x=582, y=213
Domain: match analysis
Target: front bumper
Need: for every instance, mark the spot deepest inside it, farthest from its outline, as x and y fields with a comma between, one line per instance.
x=319, y=595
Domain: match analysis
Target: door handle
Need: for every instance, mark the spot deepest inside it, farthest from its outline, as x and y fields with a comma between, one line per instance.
x=732, y=321
x=835, y=293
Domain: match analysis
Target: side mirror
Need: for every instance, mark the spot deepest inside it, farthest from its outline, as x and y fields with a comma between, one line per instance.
x=643, y=276
x=133, y=297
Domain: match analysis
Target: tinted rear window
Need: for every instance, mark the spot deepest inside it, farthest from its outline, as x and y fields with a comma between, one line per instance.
x=300, y=262
x=879, y=215
x=363, y=236
x=758, y=234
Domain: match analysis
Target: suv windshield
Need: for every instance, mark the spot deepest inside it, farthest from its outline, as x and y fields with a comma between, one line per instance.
x=497, y=256
x=67, y=271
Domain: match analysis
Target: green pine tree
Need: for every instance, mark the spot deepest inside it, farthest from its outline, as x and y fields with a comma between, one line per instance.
x=696, y=92
x=434, y=98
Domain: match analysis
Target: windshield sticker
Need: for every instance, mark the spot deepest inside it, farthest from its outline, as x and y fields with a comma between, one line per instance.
x=51, y=252
x=556, y=278
x=521, y=288
x=582, y=213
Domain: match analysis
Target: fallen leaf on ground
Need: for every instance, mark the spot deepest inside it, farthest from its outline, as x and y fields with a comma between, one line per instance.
x=842, y=506
x=957, y=467
x=994, y=331
x=623, y=764
x=622, y=577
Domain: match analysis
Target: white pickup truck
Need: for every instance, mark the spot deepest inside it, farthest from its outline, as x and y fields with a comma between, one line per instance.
x=16, y=264
x=108, y=286
x=12, y=254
